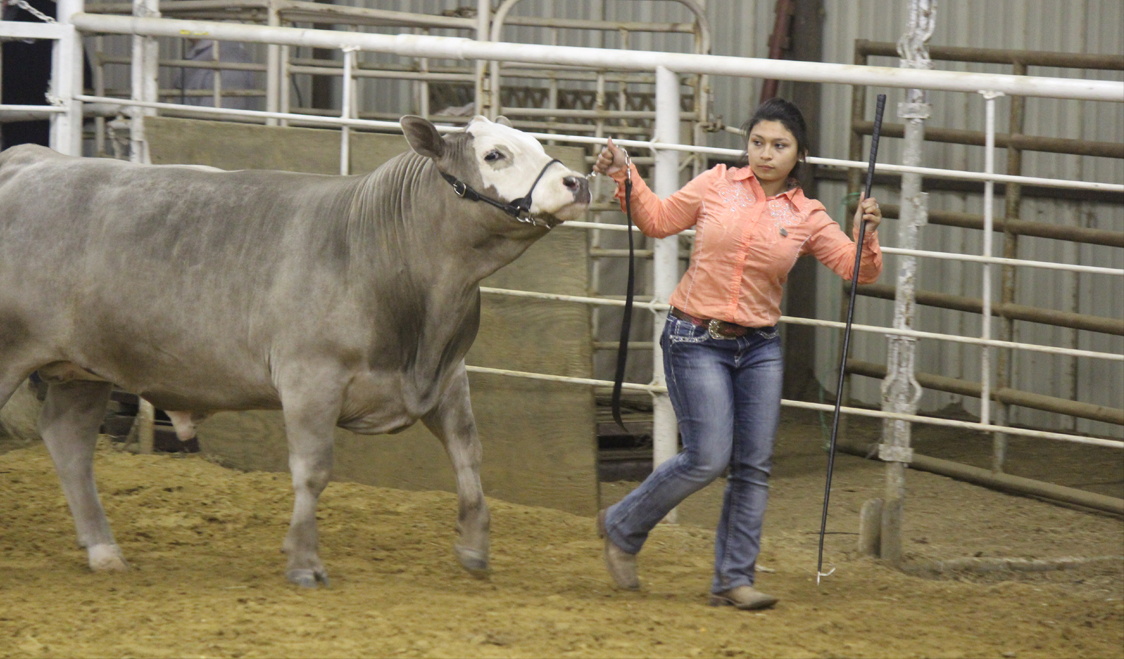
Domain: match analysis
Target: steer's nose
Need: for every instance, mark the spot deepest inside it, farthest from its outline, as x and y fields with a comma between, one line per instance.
x=579, y=185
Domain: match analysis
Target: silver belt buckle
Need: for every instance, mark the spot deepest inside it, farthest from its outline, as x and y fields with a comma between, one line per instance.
x=712, y=329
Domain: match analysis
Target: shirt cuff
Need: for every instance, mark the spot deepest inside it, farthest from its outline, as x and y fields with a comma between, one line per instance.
x=871, y=241
x=871, y=236
x=621, y=174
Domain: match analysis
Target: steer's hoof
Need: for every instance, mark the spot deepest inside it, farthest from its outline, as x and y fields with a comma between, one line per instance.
x=473, y=560
x=308, y=578
x=107, y=558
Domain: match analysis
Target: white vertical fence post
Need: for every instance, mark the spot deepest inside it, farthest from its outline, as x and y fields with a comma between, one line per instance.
x=216, y=76
x=273, y=78
x=145, y=67
x=285, y=84
x=66, y=83
x=989, y=217
x=345, y=113
x=483, y=29
x=665, y=267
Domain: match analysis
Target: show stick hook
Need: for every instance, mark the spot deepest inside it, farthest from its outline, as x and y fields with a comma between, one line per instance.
x=847, y=331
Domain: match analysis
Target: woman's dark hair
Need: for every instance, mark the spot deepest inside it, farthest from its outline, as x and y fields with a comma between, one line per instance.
x=783, y=111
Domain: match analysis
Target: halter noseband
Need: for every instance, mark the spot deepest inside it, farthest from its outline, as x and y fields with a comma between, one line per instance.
x=520, y=208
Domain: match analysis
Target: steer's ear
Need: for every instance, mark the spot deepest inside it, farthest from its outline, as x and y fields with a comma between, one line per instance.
x=504, y=121
x=423, y=137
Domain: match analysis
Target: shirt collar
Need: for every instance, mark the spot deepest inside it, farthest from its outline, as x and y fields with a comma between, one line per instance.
x=795, y=196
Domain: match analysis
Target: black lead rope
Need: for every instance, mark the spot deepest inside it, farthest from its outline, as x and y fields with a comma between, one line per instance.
x=847, y=329
x=626, y=320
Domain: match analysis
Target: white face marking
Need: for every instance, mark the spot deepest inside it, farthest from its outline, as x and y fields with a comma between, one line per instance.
x=509, y=161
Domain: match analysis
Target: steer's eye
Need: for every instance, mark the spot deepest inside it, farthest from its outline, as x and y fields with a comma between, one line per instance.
x=493, y=156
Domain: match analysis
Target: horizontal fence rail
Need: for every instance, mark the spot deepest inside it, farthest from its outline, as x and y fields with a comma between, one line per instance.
x=1003, y=140
x=1050, y=265
x=468, y=49
x=26, y=30
x=1015, y=226
x=1053, y=404
x=1005, y=309
x=658, y=307
x=822, y=407
x=579, y=139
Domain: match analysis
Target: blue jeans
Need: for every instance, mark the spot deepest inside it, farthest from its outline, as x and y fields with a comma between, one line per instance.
x=727, y=399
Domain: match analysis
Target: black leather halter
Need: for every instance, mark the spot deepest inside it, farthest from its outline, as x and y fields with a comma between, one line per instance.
x=519, y=208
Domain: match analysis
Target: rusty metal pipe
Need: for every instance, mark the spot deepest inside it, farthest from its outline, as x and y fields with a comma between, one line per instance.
x=1006, y=395
x=1010, y=311
x=1004, y=140
x=1020, y=227
x=999, y=56
x=780, y=42
x=1005, y=482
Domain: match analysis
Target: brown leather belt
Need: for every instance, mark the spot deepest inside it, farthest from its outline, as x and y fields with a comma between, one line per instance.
x=718, y=329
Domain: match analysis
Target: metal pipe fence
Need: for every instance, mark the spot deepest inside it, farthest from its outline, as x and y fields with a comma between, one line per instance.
x=1012, y=227
x=929, y=171
x=667, y=68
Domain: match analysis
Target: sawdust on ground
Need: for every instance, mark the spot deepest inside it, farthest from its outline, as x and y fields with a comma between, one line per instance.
x=208, y=574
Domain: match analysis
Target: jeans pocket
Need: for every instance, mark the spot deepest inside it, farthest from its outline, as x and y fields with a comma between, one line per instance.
x=681, y=331
x=768, y=333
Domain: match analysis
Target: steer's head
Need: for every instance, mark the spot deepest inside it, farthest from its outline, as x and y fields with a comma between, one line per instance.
x=505, y=165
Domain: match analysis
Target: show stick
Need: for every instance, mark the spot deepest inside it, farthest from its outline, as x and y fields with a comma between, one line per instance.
x=847, y=330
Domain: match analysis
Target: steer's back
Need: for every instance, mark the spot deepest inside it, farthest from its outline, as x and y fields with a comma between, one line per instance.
x=151, y=275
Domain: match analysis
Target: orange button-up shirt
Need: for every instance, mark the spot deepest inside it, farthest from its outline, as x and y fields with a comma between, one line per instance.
x=745, y=243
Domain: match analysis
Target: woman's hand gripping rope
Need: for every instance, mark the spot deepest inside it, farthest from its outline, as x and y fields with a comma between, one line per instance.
x=611, y=159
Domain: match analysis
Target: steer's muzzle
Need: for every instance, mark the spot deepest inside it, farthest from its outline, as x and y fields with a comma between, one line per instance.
x=579, y=185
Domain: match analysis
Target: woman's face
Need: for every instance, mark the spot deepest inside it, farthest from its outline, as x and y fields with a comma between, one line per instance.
x=772, y=152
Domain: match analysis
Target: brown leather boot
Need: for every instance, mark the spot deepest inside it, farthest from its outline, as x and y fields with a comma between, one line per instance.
x=746, y=598
x=621, y=564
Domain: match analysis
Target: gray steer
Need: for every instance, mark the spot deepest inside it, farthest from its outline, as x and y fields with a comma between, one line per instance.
x=346, y=301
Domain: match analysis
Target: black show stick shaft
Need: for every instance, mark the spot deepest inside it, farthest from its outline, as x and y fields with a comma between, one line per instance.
x=847, y=330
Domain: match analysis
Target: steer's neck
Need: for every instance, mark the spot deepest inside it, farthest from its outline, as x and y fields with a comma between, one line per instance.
x=419, y=252
x=412, y=209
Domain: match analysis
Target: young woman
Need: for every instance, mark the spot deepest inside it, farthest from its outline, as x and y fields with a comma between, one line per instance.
x=721, y=348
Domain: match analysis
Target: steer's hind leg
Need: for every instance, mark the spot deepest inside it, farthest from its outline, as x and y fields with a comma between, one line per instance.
x=9, y=382
x=13, y=370
x=311, y=413
x=72, y=413
x=454, y=425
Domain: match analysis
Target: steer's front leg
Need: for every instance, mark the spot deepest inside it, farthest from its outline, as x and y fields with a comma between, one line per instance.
x=454, y=425
x=311, y=410
x=69, y=424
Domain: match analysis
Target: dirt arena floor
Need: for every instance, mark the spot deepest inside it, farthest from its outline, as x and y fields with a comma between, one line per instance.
x=204, y=542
